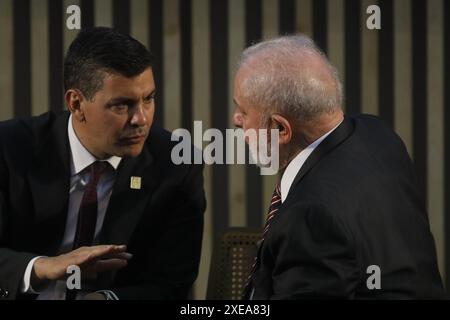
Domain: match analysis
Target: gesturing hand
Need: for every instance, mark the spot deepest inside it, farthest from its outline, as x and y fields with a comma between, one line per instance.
x=91, y=260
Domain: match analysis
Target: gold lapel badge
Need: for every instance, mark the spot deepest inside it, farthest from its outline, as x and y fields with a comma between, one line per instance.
x=135, y=183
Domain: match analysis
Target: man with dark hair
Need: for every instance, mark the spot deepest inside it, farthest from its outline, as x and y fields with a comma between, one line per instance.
x=93, y=192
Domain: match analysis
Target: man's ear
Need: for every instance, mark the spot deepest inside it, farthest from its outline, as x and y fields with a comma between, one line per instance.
x=74, y=100
x=282, y=124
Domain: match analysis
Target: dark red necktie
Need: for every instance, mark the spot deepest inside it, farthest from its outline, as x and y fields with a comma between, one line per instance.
x=87, y=215
x=275, y=204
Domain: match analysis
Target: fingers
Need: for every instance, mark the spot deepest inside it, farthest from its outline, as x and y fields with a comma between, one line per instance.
x=110, y=265
x=120, y=255
x=85, y=255
x=102, y=250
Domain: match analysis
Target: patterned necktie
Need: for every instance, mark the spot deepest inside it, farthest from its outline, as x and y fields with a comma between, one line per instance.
x=275, y=204
x=87, y=215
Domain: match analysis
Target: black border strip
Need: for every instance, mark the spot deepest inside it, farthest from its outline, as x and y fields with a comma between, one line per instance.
x=286, y=17
x=320, y=24
x=121, y=16
x=186, y=63
x=87, y=13
x=156, y=47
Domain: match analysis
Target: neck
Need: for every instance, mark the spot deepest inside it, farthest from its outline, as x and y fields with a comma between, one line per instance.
x=79, y=132
x=307, y=133
x=313, y=130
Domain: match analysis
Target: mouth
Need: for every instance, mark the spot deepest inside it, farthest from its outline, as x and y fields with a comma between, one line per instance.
x=132, y=140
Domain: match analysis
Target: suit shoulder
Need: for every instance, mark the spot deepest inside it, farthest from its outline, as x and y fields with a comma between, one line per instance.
x=25, y=131
x=160, y=141
x=371, y=123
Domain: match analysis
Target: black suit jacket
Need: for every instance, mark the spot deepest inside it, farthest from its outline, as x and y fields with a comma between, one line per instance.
x=162, y=223
x=352, y=205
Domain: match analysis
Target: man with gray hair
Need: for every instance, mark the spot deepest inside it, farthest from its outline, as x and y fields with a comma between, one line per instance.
x=346, y=220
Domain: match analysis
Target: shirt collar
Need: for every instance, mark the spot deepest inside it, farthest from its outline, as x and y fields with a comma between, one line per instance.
x=296, y=164
x=81, y=158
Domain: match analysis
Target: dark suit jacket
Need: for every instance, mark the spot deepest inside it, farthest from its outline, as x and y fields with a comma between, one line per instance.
x=352, y=205
x=162, y=223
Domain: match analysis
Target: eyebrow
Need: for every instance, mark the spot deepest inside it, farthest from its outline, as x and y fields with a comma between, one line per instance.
x=120, y=100
x=125, y=100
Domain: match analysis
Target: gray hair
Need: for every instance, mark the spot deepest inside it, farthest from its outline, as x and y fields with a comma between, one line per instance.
x=284, y=77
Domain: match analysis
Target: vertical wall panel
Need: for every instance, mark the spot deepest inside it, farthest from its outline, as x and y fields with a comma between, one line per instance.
x=353, y=83
x=22, y=65
x=6, y=60
x=201, y=99
x=236, y=39
x=446, y=26
x=103, y=13
x=303, y=17
x=39, y=57
x=336, y=36
x=121, y=16
x=219, y=106
x=68, y=35
x=286, y=16
x=172, y=65
x=186, y=63
x=156, y=21
x=420, y=113
x=270, y=18
x=403, y=72
x=87, y=13
x=139, y=20
x=272, y=26
x=253, y=29
x=386, y=62
x=435, y=125
x=56, y=27
x=320, y=23
x=369, y=68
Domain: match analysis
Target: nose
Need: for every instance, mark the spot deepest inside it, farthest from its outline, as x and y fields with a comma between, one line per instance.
x=237, y=119
x=139, y=118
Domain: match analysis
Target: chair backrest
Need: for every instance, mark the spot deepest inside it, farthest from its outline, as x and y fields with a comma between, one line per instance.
x=233, y=256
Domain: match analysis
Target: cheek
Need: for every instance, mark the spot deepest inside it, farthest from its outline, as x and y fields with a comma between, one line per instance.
x=150, y=115
x=113, y=127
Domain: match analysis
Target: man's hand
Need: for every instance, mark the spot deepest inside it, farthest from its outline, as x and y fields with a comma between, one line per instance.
x=91, y=260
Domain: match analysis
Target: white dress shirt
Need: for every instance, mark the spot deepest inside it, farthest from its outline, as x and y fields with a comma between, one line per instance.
x=81, y=159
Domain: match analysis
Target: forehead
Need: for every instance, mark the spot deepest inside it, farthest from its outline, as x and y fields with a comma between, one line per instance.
x=117, y=84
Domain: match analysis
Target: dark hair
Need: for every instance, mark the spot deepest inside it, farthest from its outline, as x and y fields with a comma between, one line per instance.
x=98, y=50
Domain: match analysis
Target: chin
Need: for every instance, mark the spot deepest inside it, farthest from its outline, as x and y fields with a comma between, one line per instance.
x=130, y=152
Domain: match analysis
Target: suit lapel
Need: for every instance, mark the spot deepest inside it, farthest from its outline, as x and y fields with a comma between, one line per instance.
x=126, y=204
x=332, y=141
x=49, y=180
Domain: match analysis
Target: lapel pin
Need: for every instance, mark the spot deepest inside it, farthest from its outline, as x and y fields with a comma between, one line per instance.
x=135, y=183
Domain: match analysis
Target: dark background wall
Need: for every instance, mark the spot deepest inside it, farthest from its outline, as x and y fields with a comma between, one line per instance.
x=398, y=73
